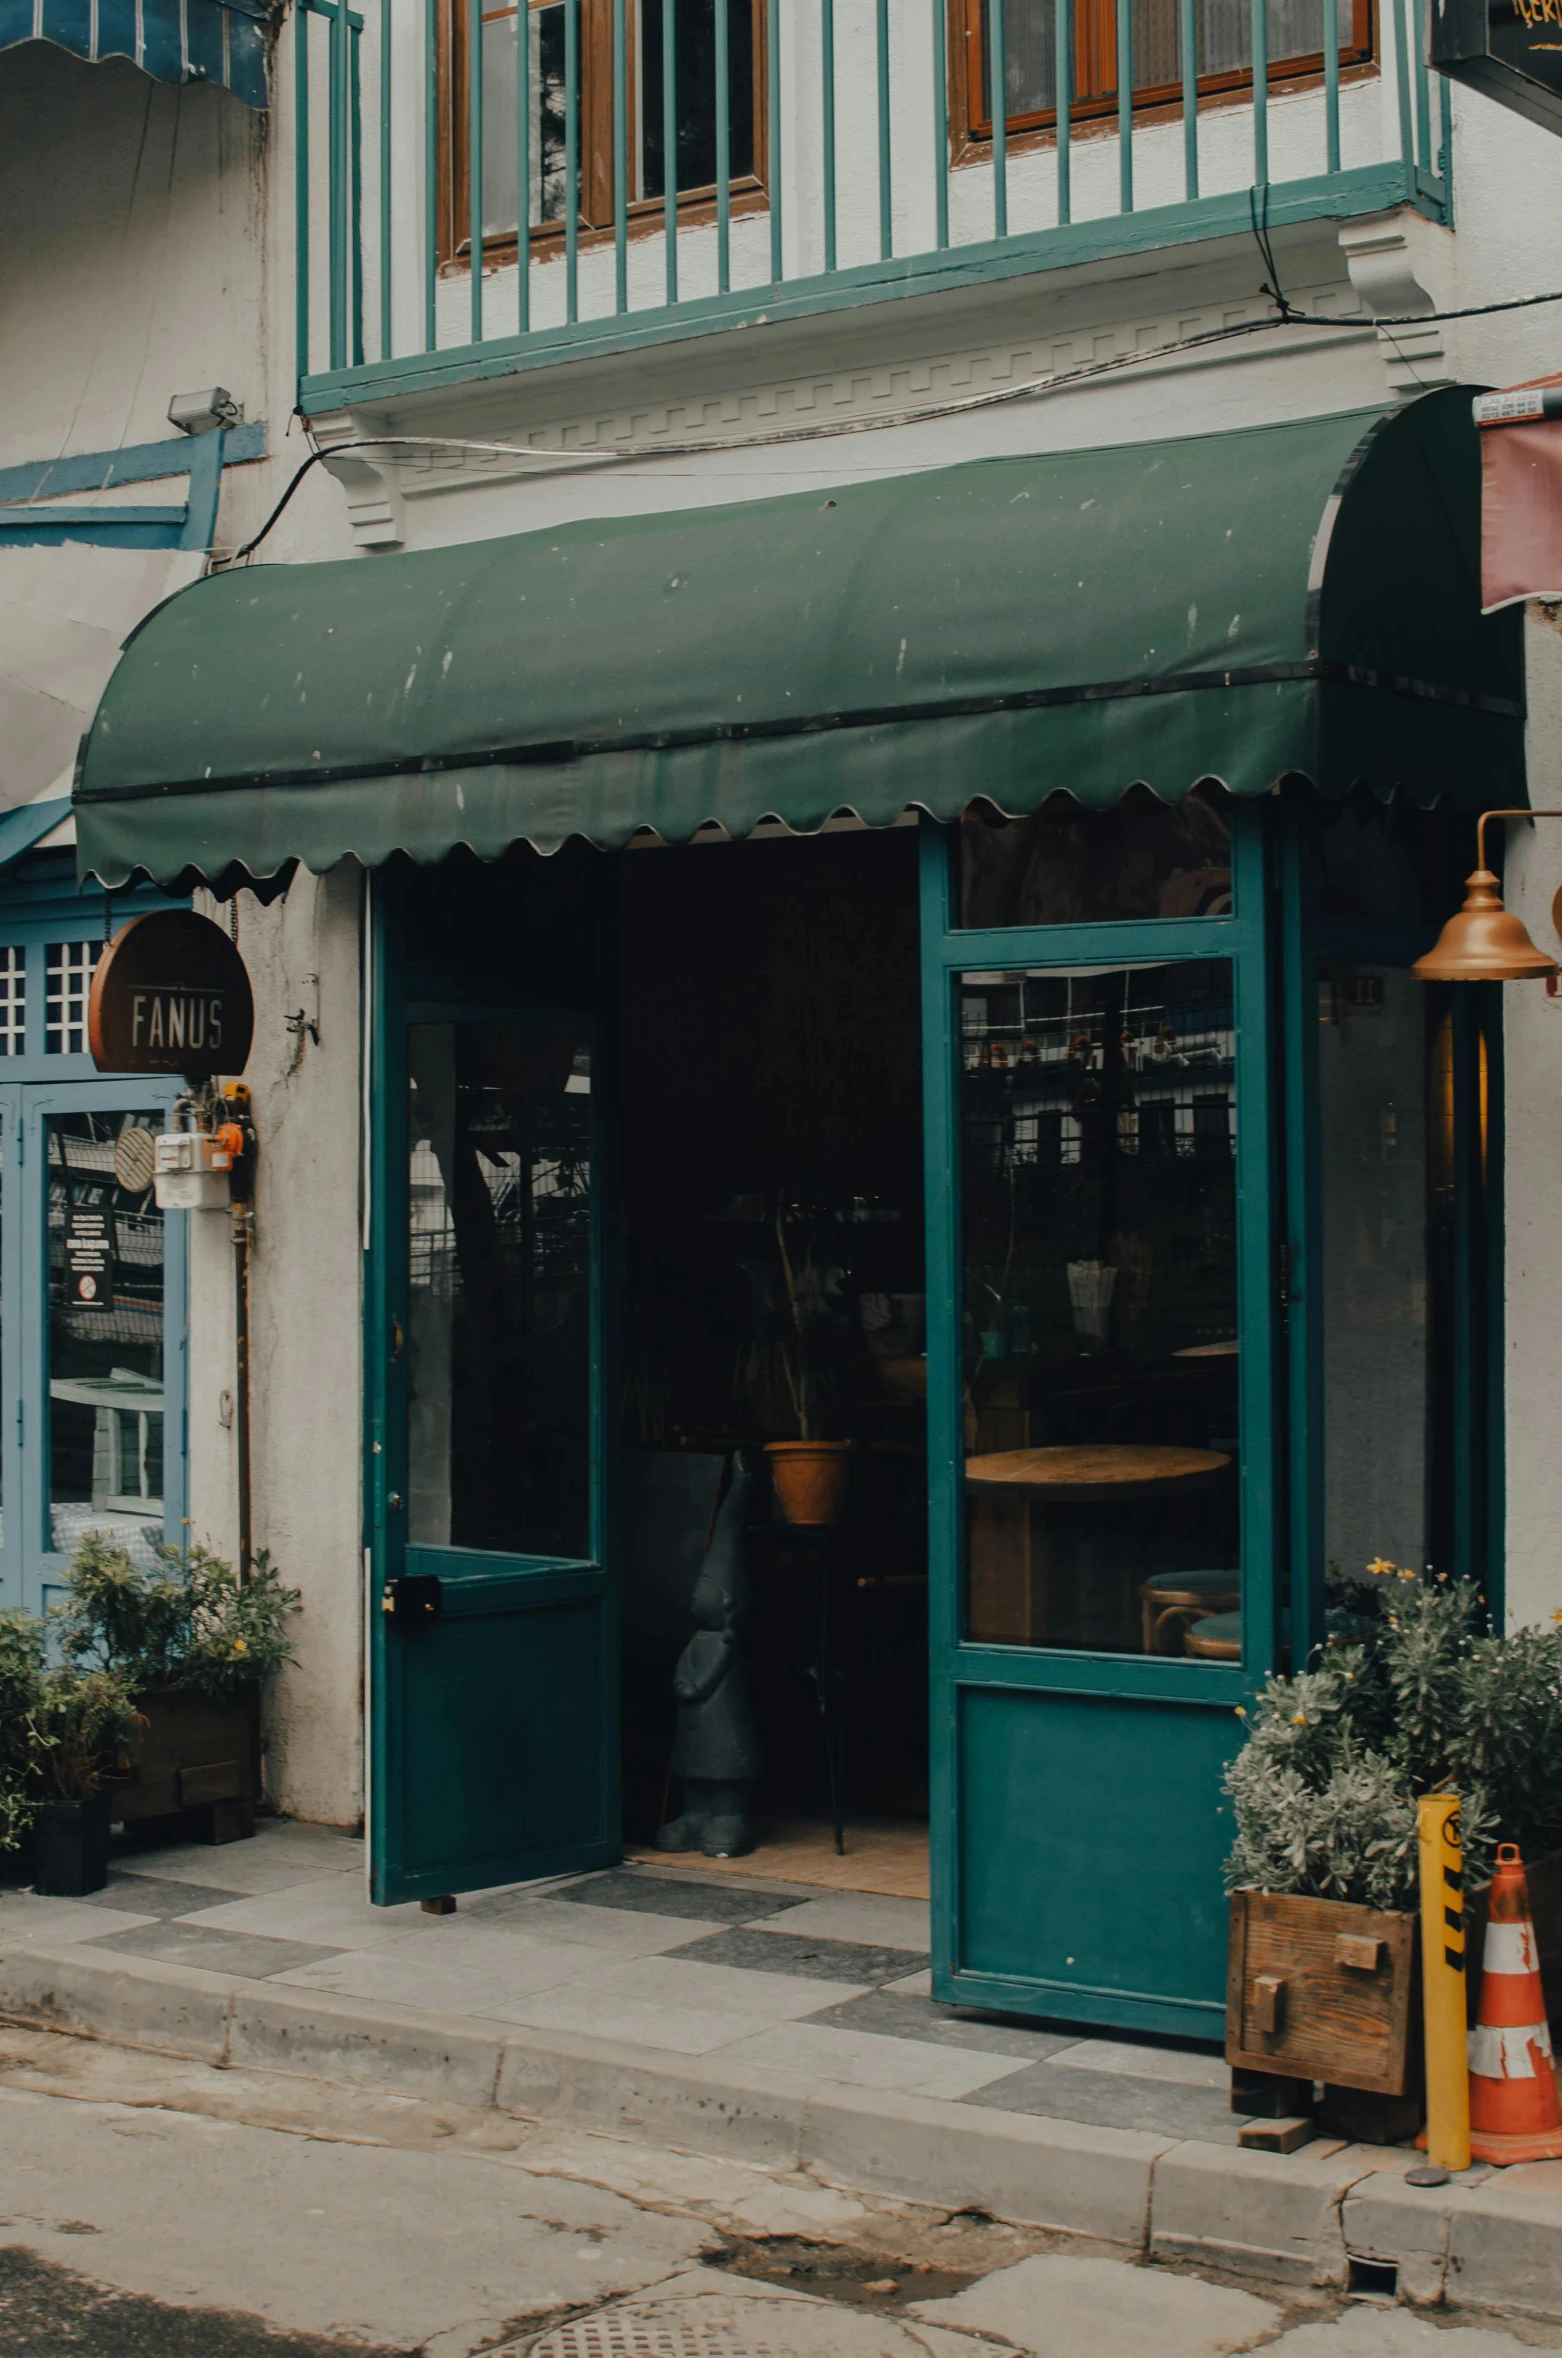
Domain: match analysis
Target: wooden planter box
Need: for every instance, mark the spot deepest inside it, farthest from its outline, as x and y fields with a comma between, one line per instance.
x=1320, y=1990
x=194, y=1758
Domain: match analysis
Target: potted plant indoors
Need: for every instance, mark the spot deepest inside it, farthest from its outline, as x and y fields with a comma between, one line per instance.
x=810, y=1474
x=1410, y=1696
x=195, y=1643
x=80, y=1726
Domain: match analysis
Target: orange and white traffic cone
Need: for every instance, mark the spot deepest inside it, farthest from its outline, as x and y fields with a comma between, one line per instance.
x=1515, y=2113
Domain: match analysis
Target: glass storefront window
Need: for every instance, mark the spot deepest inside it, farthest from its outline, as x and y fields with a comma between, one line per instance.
x=1098, y=1142
x=1067, y=866
x=106, y=1298
x=1386, y=1153
x=499, y=1302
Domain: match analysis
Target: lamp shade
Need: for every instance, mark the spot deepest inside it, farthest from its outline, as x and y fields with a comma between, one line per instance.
x=1484, y=943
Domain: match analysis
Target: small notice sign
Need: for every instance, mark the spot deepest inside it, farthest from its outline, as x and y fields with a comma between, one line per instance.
x=89, y=1258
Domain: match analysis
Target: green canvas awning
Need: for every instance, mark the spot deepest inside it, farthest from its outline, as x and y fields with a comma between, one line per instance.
x=1297, y=600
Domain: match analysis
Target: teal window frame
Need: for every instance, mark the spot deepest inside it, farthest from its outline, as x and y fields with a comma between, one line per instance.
x=40, y=903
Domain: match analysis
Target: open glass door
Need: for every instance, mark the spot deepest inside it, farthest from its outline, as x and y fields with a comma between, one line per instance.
x=1101, y=1289
x=491, y=1658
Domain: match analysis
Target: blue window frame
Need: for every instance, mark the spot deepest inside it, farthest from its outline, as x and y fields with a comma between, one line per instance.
x=93, y=1417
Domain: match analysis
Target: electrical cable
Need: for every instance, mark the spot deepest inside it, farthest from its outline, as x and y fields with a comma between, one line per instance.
x=1029, y=389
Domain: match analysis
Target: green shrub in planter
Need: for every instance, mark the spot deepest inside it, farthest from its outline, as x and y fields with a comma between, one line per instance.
x=21, y=1670
x=1324, y=1791
x=191, y=1623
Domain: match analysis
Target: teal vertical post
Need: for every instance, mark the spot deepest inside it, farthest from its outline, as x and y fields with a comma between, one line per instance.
x=1125, y=105
x=1063, y=76
x=571, y=160
x=723, y=145
x=827, y=110
x=998, y=100
x=1445, y=139
x=1261, y=93
x=386, y=336
x=1188, y=46
x=620, y=159
x=1402, y=84
x=355, y=195
x=430, y=175
x=670, y=143
x=773, y=137
x=886, y=186
x=523, y=167
x=940, y=123
x=1423, y=95
x=474, y=160
x=340, y=176
x=301, y=186
x=1331, y=84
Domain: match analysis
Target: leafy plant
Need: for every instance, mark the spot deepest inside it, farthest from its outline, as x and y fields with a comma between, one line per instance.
x=80, y=1727
x=21, y=1669
x=191, y=1623
x=1324, y=1791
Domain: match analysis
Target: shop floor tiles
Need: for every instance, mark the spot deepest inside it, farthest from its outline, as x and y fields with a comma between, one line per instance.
x=823, y=1985
x=888, y=1855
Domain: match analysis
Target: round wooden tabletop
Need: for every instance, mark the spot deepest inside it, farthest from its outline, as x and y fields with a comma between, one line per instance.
x=1094, y=1469
x=1225, y=1350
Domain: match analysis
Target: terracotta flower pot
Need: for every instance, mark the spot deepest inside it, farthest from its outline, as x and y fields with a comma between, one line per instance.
x=810, y=1478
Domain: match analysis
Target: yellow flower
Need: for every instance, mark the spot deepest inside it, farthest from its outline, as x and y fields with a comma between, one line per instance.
x=1242, y=1714
x=1380, y=1564
x=240, y=1646
x=1299, y=1719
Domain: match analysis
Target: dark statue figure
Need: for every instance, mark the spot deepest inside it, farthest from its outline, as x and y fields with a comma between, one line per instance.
x=716, y=1752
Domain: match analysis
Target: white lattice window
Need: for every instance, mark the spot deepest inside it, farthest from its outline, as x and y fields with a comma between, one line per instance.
x=66, y=992
x=13, y=1000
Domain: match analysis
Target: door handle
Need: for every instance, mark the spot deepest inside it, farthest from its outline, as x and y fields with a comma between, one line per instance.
x=413, y=1601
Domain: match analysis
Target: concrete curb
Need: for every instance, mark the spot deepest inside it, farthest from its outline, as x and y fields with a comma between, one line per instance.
x=1493, y=2240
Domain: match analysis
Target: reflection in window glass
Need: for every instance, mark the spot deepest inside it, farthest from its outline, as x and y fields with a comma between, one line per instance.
x=1223, y=32
x=1385, y=1077
x=1065, y=866
x=1099, y=1232
x=546, y=152
x=695, y=60
x=499, y=1304
x=105, y=1331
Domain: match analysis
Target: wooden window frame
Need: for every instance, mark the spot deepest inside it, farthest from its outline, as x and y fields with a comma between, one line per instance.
x=1095, y=49
x=749, y=192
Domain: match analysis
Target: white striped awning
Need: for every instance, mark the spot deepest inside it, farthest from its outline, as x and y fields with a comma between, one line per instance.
x=172, y=40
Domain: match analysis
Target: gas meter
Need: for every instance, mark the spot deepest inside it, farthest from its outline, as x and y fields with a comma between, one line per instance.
x=192, y=1169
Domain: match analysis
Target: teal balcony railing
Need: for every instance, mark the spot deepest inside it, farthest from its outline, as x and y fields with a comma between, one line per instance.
x=489, y=185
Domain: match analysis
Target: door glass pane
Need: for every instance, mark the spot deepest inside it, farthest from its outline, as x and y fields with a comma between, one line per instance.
x=695, y=60
x=545, y=96
x=1065, y=866
x=1099, y=1333
x=499, y=1302
x=105, y=1331
x=1386, y=1079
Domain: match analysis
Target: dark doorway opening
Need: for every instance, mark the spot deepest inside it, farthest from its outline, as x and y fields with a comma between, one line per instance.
x=772, y=1239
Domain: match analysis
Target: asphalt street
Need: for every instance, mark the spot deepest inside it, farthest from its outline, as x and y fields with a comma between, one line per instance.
x=151, y=2208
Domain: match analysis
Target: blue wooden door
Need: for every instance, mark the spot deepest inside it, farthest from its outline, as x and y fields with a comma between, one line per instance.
x=1102, y=1337
x=92, y=1361
x=491, y=1638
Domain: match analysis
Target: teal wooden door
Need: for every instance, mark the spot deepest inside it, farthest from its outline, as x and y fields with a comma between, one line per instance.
x=1102, y=1339
x=493, y=1754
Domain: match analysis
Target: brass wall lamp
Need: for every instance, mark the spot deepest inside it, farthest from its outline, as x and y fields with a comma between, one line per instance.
x=1485, y=942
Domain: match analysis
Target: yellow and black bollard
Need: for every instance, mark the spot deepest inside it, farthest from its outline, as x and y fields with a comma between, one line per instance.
x=1443, y=1988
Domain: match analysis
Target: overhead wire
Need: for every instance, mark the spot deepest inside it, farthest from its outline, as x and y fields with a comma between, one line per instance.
x=1286, y=315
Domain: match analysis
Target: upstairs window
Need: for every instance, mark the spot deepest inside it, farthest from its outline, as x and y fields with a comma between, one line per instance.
x=526, y=124
x=1223, y=35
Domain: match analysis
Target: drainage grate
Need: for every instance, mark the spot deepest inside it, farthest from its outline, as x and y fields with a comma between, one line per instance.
x=716, y=2333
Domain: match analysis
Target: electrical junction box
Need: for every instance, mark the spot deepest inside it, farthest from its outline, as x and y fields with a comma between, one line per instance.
x=191, y=1172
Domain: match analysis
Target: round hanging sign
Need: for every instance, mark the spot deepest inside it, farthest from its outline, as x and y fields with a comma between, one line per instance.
x=171, y=995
